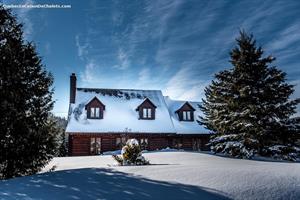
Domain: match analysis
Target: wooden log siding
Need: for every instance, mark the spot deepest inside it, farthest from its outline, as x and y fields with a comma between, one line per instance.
x=79, y=143
x=187, y=143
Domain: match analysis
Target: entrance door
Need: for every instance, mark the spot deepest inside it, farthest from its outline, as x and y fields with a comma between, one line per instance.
x=95, y=146
x=120, y=142
x=197, y=144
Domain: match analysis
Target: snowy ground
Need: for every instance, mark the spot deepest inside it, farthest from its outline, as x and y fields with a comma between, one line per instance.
x=173, y=175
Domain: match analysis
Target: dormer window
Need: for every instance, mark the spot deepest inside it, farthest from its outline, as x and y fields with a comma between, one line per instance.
x=186, y=112
x=95, y=109
x=146, y=110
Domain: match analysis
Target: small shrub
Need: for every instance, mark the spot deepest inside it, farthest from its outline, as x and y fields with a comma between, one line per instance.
x=131, y=154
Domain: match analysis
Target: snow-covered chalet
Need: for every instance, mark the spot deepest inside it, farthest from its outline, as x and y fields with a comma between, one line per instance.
x=102, y=120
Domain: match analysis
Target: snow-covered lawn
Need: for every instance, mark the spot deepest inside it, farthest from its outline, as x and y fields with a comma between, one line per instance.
x=173, y=175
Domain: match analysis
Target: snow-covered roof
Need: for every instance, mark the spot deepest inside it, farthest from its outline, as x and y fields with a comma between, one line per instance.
x=120, y=113
x=185, y=127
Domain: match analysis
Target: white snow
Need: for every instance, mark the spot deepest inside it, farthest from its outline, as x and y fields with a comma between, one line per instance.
x=185, y=127
x=120, y=113
x=132, y=142
x=172, y=175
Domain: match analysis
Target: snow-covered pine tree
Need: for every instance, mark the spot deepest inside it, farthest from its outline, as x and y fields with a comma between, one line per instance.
x=249, y=106
x=26, y=139
x=60, y=124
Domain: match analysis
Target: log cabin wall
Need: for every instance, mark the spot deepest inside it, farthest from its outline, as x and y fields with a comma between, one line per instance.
x=80, y=143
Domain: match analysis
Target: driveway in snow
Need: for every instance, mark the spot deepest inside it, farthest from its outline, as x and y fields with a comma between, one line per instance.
x=173, y=175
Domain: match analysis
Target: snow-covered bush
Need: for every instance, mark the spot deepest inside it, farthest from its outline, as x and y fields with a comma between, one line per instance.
x=283, y=152
x=131, y=154
x=233, y=145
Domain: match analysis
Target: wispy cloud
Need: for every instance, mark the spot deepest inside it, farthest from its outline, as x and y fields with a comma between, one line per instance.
x=144, y=75
x=287, y=37
x=23, y=15
x=177, y=45
x=88, y=76
x=123, y=60
x=82, y=47
x=185, y=86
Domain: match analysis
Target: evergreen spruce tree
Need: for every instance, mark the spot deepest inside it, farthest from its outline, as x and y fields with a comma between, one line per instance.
x=26, y=139
x=249, y=106
x=61, y=124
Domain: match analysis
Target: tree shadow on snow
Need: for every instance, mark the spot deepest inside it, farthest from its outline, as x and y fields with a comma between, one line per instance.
x=94, y=183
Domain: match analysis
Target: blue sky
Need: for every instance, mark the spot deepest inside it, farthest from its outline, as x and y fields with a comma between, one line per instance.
x=172, y=45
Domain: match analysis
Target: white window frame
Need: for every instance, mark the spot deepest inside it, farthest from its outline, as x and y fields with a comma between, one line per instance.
x=92, y=112
x=145, y=113
x=149, y=114
x=95, y=112
x=144, y=143
x=184, y=115
x=188, y=115
x=118, y=141
x=95, y=145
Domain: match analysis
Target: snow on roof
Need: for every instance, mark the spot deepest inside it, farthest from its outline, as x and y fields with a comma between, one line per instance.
x=185, y=127
x=120, y=113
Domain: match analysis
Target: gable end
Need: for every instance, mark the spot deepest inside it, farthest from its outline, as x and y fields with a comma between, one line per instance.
x=146, y=110
x=186, y=112
x=95, y=109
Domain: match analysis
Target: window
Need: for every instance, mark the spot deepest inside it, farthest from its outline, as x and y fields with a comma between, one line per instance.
x=147, y=113
x=120, y=142
x=186, y=116
x=95, y=112
x=186, y=112
x=144, y=112
x=144, y=143
x=95, y=146
x=197, y=144
x=95, y=109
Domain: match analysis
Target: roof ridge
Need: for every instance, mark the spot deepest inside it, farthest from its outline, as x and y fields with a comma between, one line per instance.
x=117, y=89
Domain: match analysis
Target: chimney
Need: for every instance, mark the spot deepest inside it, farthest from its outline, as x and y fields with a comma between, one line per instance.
x=72, y=88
